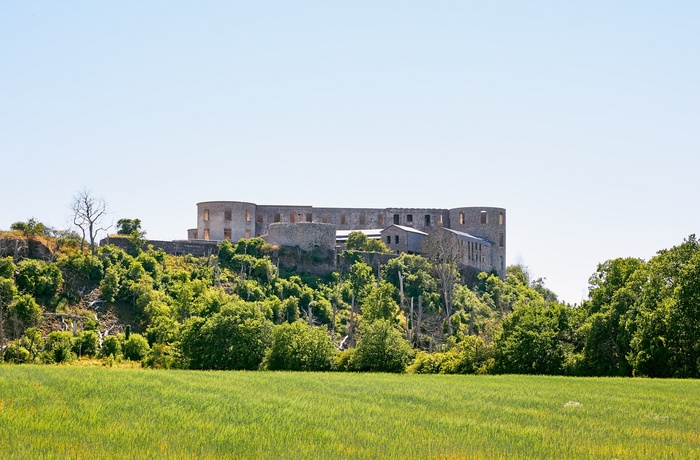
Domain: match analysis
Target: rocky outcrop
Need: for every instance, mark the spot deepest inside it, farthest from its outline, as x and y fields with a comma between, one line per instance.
x=24, y=248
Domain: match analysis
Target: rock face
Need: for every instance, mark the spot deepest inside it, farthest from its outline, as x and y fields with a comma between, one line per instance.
x=24, y=248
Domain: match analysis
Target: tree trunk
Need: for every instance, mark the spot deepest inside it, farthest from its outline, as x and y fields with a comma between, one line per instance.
x=419, y=319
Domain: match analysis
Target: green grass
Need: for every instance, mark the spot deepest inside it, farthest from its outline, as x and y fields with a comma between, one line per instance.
x=81, y=412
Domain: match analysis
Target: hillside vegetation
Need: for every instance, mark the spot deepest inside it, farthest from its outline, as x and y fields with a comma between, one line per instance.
x=237, y=310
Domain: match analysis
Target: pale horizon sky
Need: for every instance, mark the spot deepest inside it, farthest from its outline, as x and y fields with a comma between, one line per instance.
x=580, y=118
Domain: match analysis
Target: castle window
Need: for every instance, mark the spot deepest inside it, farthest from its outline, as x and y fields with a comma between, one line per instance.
x=259, y=218
x=461, y=218
x=396, y=239
x=291, y=217
x=247, y=215
x=409, y=218
x=342, y=219
x=380, y=220
x=500, y=218
x=484, y=217
x=500, y=239
x=206, y=234
x=247, y=234
x=439, y=220
x=227, y=234
x=388, y=239
x=397, y=219
x=362, y=219
x=324, y=219
x=227, y=215
x=308, y=217
x=427, y=220
x=277, y=217
x=206, y=215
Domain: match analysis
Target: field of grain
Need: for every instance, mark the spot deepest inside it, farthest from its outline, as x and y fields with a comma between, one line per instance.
x=74, y=412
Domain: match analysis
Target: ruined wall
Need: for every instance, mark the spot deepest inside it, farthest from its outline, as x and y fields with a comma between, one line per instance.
x=350, y=218
x=305, y=236
x=220, y=220
x=225, y=220
x=181, y=247
x=484, y=222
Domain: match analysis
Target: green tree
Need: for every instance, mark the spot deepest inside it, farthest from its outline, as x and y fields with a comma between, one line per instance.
x=38, y=278
x=135, y=348
x=532, y=340
x=110, y=284
x=86, y=343
x=33, y=342
x=381, y=348
x=59, y=347
x=611, y=311
x=7, y=267
x=32, y=227
x=23, y=313
x=380, y=304
x=361, y=280
x=8, y=292
x=299, y=347
x=234, y=339
x=665, y=334
x=358, y=241
x=128, y=226
x=111, y=346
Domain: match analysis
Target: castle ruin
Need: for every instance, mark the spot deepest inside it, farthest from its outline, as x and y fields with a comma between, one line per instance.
x=480, y=230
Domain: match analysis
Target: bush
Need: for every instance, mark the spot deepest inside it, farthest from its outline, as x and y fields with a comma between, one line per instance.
x=299, y=347
x=110, y=347
x=135, y=347
x=342, y=362
x=471, y=356
x=24, y=313
x=59, y=347
x=39, y=278
x=234, y=339
x=431, y=363
x=85, y=344
x=16, y=354
x=381, y=349
x=162, y=356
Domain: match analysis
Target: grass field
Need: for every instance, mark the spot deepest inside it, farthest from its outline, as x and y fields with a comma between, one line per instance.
x=75, y=412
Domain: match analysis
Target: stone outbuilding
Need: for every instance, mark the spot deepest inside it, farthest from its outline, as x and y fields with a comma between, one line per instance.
x=400, y=238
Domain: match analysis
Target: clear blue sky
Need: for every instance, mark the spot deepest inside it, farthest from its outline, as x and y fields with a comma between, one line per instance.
x=580, y=118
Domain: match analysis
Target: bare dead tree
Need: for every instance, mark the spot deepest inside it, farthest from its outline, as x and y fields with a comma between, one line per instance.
x=88, y=213
x=445, y=251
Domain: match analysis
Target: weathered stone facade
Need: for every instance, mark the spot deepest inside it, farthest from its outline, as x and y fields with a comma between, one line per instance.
x=306, y=236
x=399, y=238
x=233, y=220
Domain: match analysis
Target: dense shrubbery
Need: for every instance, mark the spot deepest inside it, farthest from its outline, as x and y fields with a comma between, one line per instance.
x=236, y=311
x=299, y=347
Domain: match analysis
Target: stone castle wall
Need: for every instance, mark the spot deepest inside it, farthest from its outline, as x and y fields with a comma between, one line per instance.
x=233, y=220
x=306, y=236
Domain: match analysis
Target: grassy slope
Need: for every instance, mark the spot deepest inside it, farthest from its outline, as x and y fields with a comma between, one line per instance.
x=73, y=412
